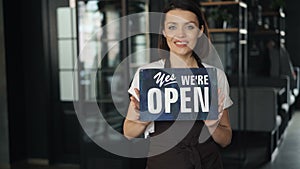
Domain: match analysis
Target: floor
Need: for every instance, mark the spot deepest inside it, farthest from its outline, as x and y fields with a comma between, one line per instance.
x=287, y=156
x=35, y=166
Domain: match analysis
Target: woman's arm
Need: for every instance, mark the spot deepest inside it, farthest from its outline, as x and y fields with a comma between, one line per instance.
x=133, y=127
x=221, y=131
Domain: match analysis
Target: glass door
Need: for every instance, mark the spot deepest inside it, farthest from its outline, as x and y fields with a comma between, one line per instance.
x=64, y=126
x=111, y=46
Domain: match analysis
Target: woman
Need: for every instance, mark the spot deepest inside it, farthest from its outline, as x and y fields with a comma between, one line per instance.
x=183, y=29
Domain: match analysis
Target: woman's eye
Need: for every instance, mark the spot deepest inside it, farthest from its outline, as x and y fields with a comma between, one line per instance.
x=190, y=27
x=172, y=27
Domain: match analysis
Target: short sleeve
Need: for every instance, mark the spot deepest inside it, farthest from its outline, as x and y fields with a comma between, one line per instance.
x=135, y=83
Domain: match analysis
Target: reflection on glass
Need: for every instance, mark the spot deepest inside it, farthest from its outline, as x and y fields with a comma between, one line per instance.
x=139, y=45
x=68, y=87
x=225, y=46
x=89, y=32
x=89, y=55
x=65, y=54
x=88, y=80
x=112, y=27
x=113, y=53
x=75, y=55
x=64, y=22
x=100, y=31
x=137, y=23
x=99, y=34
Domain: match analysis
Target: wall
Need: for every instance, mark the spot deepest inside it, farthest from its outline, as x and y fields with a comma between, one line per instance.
x=293, y=35
x=15, y=83
x=4, y=144
x=36, y=76
x=28, y=78
x=292, y=30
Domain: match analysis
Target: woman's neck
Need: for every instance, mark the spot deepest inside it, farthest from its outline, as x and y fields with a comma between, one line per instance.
x=183, y=61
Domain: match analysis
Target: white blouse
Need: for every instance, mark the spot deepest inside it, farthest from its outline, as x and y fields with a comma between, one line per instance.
x=222, y=84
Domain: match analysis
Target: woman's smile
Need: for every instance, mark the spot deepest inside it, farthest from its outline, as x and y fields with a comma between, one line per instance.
x=181, y=43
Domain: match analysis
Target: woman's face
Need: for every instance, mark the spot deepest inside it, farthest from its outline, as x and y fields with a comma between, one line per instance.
x=181, y=29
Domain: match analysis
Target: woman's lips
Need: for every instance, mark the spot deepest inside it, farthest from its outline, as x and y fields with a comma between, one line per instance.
x=181, y=43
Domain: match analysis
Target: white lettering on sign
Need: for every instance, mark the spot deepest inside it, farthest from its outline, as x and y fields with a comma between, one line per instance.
x=194, y=80
x=199, y=97
x=154, y=96
x=183, y=91
x=171, y=96
x=163, y=79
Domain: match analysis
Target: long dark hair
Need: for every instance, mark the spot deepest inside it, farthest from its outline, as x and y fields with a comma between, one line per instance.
x=188, y=5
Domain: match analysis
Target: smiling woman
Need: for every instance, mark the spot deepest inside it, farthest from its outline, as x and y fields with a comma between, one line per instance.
x=184, y=35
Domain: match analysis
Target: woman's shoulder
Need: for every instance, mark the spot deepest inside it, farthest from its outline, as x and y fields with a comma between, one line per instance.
x=210, y=66
x=220, y=72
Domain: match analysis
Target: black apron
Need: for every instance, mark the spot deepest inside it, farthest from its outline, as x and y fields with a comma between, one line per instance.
x=188, y=153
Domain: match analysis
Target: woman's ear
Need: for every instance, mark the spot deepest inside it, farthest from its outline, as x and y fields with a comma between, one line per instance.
x=164, y=33
x=201, y=31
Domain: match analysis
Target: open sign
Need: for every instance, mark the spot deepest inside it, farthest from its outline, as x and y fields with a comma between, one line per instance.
x=178, y=94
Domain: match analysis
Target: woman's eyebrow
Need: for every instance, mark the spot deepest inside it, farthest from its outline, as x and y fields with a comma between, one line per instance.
x=171, y=23
x=191, y=22
x=184, y=23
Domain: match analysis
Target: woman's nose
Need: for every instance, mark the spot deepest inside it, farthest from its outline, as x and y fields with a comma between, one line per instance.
x=181, y=32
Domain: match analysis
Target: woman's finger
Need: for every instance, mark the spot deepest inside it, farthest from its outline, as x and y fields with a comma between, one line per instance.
x=138, y=95
x=137, y=92
x=136, y=102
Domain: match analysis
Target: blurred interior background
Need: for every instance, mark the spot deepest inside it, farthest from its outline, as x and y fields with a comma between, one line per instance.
x=55, y=54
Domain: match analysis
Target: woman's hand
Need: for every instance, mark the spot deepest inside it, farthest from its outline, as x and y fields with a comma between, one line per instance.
x=212, y=123
x=220, y=129
x=134, y=115
x=133, y=127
